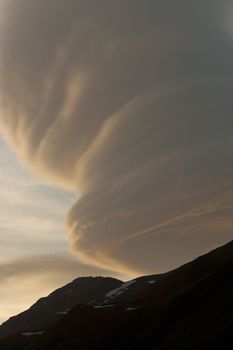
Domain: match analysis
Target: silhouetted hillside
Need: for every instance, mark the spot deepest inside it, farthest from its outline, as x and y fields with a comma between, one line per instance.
x=188, y=308
x=53, y=307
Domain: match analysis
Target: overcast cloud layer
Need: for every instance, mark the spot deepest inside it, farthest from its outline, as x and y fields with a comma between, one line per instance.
x=128, y=103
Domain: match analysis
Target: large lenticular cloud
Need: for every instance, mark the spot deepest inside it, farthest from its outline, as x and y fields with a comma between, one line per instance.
x=130, y=104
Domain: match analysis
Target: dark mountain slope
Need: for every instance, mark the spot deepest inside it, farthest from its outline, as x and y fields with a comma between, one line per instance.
x=53, y=307
x=188, y=308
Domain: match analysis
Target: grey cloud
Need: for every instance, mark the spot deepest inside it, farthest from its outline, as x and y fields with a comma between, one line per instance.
x=128, y=103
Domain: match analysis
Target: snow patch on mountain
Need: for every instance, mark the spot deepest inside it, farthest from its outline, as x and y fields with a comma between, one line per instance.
x=28, y=334
x=132, y=308
x=102, y=306
x=118, y=291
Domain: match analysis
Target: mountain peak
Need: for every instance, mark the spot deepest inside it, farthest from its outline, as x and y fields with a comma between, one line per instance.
x=50, y=309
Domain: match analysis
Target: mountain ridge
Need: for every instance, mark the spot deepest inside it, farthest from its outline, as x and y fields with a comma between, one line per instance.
x=188, y=307
x=80, y=290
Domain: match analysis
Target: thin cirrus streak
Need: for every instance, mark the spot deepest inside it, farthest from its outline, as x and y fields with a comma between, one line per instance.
x=129, y=105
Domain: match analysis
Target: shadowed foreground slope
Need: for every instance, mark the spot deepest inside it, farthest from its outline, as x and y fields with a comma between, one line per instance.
x=188, y=308
x=50, y=309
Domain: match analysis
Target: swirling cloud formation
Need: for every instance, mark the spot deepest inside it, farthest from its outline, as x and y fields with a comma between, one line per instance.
x=128, y=103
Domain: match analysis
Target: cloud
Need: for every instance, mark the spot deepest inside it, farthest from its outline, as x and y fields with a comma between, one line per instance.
x=129, y=105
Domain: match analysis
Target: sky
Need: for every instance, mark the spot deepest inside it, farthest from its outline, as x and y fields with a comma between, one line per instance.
x=29, y=205
x=121, y=115
x=34, y=251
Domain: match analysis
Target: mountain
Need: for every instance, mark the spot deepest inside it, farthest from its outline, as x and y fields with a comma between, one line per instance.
x=188, y=308
x=50, y=309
